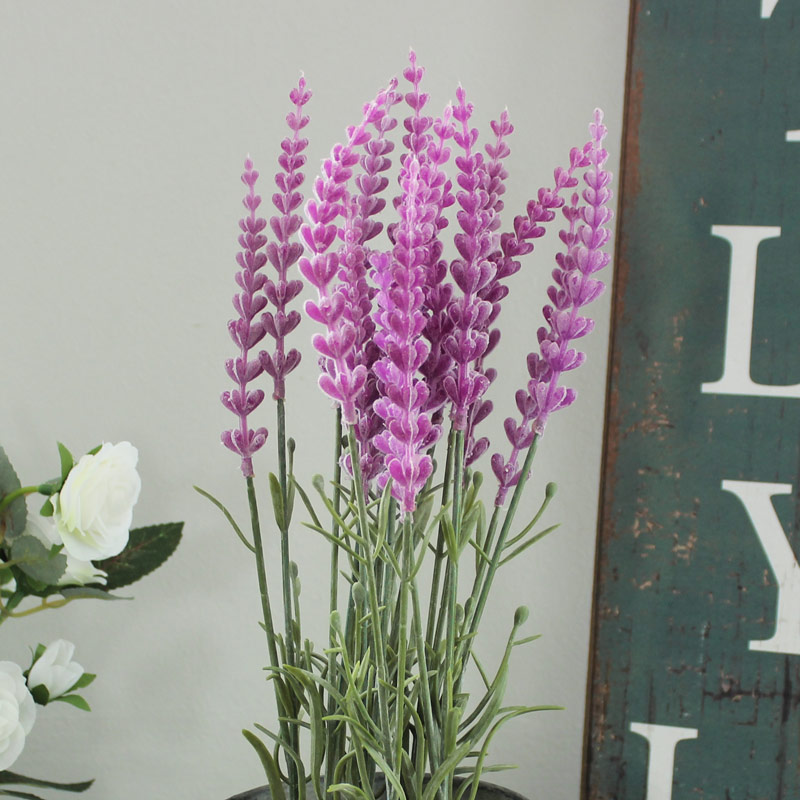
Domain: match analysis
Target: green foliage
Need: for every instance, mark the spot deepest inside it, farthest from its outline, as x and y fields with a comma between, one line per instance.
x=43, y=566
x=13, y=518
x=385, y=696
x=8, y=777
x=148, y=548
x=73, y=700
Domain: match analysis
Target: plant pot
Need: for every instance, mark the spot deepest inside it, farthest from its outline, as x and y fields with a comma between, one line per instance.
x=486, y=791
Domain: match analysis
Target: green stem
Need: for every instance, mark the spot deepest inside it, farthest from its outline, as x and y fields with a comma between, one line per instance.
x=499, y=546
x=15, y=495
x=452, y=593
x=286, y=577
x=375, y=617
x=402, y=641
x=477, y=583
x=439, y=557
x=285, y=560
x=332, y=749
x=434, y=740
x=269, y=627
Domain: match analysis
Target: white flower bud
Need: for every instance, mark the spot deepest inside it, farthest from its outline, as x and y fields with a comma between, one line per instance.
x=55, y=669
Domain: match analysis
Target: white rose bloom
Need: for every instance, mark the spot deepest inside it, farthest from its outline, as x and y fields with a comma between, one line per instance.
x=17, y=713
x=77, y=572
x=94, y=509
x=55, y=669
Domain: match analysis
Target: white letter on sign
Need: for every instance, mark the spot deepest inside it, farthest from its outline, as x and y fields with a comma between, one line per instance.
x=767, y=7
x=744, y=241
x=660, y=767
x=757, y=500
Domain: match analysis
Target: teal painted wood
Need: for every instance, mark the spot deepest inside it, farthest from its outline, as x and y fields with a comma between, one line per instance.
x=686, y=589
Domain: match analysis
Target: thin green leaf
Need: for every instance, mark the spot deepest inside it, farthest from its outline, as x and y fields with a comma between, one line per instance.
x=228, y=516
x=293, y=754
x=478, y=769
x=388, y=773
x=528, y=639
x=6, y=776
x=432, y=527
x=446, y=768
x=269, y=764
x=336, y=540
x=549, y=494
x=450, y=538
x=317, y=726
x=336, y=515
x=306, y=502
x=527, y=544
x=350, y=790
x=277, y=501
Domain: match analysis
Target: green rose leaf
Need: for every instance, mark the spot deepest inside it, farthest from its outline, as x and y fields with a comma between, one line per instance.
x=16, y=515
x=88, y=593
x=42, y=564
x=67, y=461
x=40, y=694
x=148, y=548
x=74, y=700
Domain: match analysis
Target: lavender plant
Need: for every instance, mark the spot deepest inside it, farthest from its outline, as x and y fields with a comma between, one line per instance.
x=405, y=339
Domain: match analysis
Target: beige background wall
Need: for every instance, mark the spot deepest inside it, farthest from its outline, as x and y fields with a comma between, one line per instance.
x=123, y=127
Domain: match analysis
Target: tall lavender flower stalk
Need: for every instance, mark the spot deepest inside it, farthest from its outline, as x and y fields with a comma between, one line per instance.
x=358, y=229
x=400, y=278
x=471, y=272
x=284, y=253
x=574, y=288
x=340, y=381
x=494, y=291
x=247, y=331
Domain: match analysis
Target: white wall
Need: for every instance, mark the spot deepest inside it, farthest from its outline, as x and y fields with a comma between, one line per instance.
x=124, y=127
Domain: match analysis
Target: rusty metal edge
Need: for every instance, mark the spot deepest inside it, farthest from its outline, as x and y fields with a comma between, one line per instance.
x=629, y=187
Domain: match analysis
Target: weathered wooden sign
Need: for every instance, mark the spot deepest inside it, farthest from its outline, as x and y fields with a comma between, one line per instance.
x=695, y=688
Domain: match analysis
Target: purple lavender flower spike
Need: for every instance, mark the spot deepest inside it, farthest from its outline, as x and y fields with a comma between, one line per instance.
x=471, y=272
x=400, y=322
x=432, y=153
x=574, y=288
x=339, y=381
x=359, y=227
x=495, y=175
x=283, y=253
x=247, y=331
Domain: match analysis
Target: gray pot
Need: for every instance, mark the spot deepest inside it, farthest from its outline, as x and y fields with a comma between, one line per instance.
x=486, y=791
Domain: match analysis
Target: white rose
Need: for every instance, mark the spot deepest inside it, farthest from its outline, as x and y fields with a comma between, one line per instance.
x=17, y=713
x=94, y=509
x=77, y=572
x=55, y=669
